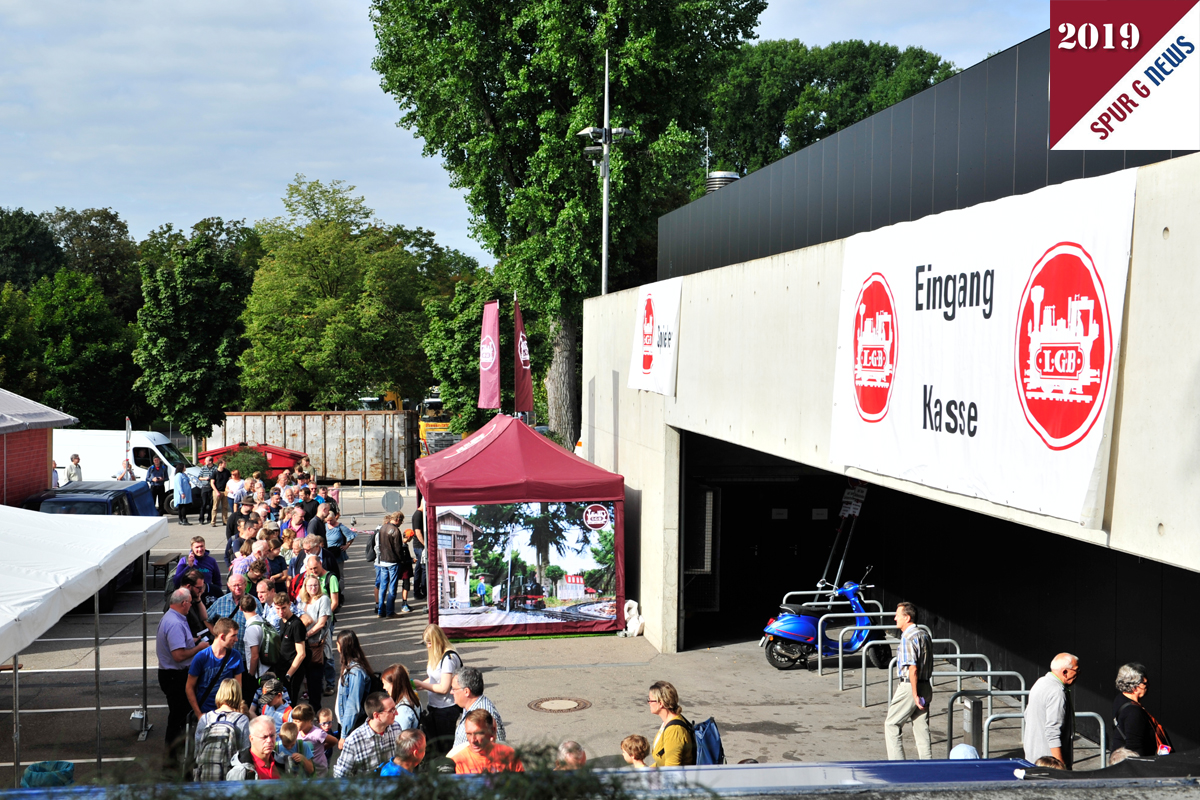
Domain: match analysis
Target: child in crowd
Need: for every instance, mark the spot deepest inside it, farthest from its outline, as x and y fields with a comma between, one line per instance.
x=305, y=719
x=274, y=703
x=297, y=751
x=635, y=749
x=333, y=734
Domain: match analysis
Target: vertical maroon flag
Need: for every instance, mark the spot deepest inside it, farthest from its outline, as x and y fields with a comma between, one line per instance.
x=489, y=364
x=523, y=383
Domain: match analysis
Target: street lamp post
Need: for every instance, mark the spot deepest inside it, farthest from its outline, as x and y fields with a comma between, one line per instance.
x=605, y=136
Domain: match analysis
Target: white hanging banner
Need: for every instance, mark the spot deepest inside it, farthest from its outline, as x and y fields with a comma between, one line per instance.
x=652, y=365
x=977, y=348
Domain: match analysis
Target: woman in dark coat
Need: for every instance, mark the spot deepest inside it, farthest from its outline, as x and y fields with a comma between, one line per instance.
x=1134, y=727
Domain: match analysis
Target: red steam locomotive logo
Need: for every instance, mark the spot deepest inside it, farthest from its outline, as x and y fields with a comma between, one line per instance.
x=875, y=344
x=523, y=350
x=595, y=516
x=648, y=336
x=487, y=353
x=1064, y=346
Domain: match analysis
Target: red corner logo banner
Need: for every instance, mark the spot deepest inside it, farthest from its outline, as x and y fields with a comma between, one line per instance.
x=1124, y=75
x=977, y=348
x=489, y=361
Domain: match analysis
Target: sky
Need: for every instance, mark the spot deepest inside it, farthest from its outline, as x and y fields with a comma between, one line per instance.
x=173, y=111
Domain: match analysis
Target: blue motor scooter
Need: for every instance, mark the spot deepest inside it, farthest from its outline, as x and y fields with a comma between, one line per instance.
x=791, y=637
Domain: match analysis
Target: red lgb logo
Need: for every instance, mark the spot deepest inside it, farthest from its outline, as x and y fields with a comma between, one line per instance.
x=648, y=336
x=595, y=516
x=487, y=353
x=1064, y=346
x=523, y=350
x=875, y=344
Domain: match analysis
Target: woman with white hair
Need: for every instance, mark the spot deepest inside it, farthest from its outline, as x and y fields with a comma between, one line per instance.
x=1134, y=728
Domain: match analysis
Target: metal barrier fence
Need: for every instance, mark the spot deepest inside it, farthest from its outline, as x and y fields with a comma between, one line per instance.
x=987, y=724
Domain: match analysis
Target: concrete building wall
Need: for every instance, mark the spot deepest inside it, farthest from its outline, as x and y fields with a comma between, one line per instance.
x=756, y=360
x=24, y=464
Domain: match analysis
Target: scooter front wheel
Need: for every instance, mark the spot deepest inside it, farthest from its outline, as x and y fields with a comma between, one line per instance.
x=787, y=655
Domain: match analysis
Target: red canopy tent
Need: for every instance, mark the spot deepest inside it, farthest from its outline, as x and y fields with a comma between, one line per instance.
x=505, y=462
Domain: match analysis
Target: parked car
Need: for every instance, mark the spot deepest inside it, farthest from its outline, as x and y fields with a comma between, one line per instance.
x=100, y=498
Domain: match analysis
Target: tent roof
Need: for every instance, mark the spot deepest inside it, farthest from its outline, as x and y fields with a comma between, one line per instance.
x=22, y=414
x=40, y=583
x=506, y=461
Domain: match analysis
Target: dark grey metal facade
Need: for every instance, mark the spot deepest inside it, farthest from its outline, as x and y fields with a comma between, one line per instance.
x=978, y=136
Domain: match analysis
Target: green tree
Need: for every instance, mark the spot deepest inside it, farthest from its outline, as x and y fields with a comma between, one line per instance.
x=603, y=578
x=86, y=352
x=191, y=331
x=27, y=248
x=96, y=242
x=20, y=348
x=776, y=97
x=498, y=92
x=452, y=346
x=554, y=574
x=336, y=306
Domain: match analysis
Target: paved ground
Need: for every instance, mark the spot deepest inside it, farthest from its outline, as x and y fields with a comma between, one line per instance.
x=763, y=713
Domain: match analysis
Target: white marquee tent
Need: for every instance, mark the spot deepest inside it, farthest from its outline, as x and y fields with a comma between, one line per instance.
x=50, y=564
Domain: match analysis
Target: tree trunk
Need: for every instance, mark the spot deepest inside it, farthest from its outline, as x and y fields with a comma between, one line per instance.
x=562, y=387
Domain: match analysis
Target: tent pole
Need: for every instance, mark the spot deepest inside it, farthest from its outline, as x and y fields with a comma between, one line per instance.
x=16, y=725
x=145, y=666
x=96, y=606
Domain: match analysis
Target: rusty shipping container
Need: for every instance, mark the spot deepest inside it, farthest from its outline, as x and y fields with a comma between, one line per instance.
x=343, y=445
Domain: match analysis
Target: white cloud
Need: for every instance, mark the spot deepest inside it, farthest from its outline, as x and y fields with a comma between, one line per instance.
x=173, y=111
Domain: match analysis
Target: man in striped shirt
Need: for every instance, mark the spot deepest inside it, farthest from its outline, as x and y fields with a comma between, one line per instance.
x=206, y=490
x=910, y=703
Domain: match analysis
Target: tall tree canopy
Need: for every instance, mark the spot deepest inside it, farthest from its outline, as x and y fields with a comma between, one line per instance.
x=27, y=248
x=336, y=307
x=96, y=242
x=777, y=97
x=87, y=369
x=194, y=291
x=499, y=91
x=20, y=350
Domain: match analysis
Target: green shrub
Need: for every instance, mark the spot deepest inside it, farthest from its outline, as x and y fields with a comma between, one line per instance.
x=246, y=461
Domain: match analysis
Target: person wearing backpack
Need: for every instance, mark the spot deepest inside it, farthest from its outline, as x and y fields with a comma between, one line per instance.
x=221, y=733
x=675, y=744
x=443, y=664
x=354, y=682
x=264, y=646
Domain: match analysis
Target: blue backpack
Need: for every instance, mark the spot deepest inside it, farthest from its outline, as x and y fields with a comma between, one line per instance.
x=707, y=740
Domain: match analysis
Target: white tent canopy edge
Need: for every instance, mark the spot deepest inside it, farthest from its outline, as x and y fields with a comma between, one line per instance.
x=51, y=563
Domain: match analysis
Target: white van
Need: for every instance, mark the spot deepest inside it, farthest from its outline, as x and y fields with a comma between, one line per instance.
x=101, y=453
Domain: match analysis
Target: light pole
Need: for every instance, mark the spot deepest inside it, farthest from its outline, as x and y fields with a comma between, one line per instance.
x=606, y=136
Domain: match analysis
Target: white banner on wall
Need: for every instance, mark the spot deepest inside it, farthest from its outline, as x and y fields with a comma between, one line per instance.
x=652, y=364
x=977, y=348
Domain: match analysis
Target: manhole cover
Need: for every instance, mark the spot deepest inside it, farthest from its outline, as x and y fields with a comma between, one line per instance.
x=560, y=705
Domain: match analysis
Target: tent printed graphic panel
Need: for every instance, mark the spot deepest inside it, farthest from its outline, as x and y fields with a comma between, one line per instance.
x=486, y=500
x=526, y=564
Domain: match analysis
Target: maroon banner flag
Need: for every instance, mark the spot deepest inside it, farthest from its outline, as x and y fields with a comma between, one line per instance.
x=523, y=382
x=489, y=363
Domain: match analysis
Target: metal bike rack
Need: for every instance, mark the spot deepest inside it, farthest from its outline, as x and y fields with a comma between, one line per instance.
x=852, y=628
x=847, y=615
x=987, y=724
x=989, y=694
x=828, y=593
x=957, y=655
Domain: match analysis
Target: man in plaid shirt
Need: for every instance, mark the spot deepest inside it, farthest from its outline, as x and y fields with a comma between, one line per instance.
x=910, y=703
x=372, y=744
x=228, y=607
